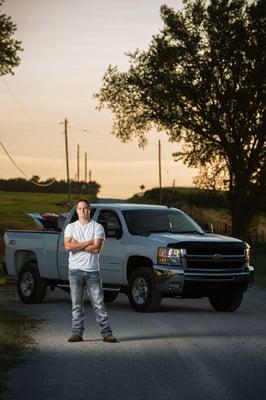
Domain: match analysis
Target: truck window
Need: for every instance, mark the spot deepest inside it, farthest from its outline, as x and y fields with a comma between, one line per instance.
x=111, y=223
x=143, y=222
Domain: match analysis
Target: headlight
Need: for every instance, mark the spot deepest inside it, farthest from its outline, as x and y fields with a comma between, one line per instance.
x=169, y=256
x=247, y=255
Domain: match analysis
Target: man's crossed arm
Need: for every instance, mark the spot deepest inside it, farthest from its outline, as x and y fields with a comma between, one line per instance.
x=91, y=246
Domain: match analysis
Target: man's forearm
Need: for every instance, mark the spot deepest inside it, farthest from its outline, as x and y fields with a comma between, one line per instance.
x=74, y=245
x=94, y=247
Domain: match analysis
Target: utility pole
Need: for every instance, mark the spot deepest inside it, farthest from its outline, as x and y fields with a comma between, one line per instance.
x=67, y=164
x=160, y=172
x=78, y=163
x=85, y=167
x=89, y=175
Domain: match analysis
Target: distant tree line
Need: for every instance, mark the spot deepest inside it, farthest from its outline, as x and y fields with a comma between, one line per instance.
x=186, y=197
x=49, y=186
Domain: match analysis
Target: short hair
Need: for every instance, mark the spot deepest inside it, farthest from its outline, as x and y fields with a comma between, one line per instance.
x=83, y=201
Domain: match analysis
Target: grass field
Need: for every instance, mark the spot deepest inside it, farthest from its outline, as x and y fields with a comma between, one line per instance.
x=258, y=260
x=14, y=337
x=15, y=205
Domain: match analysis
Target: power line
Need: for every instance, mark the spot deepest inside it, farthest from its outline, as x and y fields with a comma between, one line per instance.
x=25, y=112
x=13, y=161
x=88, y=131
x=21, y=171
x=6, y=140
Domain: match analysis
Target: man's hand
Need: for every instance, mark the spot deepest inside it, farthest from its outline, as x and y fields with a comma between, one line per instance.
x=73, y=245
x=95, y=246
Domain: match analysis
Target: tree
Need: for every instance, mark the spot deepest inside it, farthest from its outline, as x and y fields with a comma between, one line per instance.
x=202, y=80
x=9, y=47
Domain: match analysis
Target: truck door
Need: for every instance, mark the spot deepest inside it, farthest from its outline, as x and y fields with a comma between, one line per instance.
x=111, y=257
x=62, y=254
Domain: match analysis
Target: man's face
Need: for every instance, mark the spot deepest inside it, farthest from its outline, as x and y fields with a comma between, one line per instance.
x=83, y=210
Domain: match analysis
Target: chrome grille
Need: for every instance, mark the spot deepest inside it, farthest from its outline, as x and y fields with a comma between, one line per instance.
x=213, y=256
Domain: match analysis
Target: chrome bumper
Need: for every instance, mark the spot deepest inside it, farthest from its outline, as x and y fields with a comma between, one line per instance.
x=172, y=280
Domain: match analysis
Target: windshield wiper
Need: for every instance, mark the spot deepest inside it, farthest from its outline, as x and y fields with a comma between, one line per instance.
x=197, y=232
x=145, y=233
x=162, y=230
x=148, y=233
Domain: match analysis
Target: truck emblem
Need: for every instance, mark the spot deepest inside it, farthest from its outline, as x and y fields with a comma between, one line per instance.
x=217, y=258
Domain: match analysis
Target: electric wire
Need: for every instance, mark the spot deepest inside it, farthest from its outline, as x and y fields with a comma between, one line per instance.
x=12, y=160
x=22, y=172
x=18, y=102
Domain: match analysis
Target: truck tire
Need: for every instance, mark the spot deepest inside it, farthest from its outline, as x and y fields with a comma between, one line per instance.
x=108, y=297
x=227, y=303
x=142, y=292
x=31, y=287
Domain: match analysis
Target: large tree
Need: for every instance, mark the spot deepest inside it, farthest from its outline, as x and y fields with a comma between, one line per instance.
x=9, y=46
x=202, y=81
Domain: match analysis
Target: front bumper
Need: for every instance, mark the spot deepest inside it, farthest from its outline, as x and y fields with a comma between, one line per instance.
x=181, y=282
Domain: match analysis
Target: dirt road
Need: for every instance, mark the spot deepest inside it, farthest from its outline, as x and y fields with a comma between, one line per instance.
x=185, y=351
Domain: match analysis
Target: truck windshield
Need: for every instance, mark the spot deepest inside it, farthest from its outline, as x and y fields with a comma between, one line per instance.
x=146, y=222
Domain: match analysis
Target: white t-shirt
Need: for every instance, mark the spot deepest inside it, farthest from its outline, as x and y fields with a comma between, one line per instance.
x=82, y=259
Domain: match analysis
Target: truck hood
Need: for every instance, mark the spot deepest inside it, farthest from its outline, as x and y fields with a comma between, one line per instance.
x=166, y=238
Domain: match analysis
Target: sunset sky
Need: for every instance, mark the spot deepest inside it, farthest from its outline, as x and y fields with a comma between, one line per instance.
x=68, y=45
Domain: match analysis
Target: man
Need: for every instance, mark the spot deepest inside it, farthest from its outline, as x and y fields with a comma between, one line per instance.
x=84, y=239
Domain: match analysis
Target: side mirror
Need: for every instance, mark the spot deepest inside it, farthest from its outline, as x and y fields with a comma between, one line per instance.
x=208, y=227
x=115, y=233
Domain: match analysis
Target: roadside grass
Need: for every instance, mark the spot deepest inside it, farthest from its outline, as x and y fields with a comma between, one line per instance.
x=14, y=337
x=2, y=279
x=258, y=260
x=15, y=205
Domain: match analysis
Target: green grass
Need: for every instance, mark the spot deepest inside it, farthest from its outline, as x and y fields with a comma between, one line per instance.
x=258, y=260
x=15, y=205
x=2, y=279
x=14, y=337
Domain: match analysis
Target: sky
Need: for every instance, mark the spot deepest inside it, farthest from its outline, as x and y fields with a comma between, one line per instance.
x=68, y=46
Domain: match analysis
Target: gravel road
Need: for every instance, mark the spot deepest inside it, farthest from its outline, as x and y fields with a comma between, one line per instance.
x=184, y=351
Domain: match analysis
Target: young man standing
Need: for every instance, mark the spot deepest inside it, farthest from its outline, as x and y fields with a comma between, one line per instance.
x=84, y=239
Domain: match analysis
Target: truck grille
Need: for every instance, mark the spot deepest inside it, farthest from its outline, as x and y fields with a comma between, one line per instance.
x=213, y=256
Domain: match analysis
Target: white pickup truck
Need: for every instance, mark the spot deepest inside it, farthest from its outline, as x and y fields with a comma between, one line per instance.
x=150, y=252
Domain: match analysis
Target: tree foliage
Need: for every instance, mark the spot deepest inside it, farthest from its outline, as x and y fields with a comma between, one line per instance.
x=9, y=47
x=202, y=81
x=50, y=185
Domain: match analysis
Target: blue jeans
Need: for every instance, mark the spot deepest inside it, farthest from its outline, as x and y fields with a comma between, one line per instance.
x=90, y=281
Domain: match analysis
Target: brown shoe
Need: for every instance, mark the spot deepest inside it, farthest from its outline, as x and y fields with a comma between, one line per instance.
x=75, y=338
x=110, y=339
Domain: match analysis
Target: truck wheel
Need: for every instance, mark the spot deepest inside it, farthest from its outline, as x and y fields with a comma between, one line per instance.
x=142, y=293
x=227, y=303
x=31, y=287
x=109, y=296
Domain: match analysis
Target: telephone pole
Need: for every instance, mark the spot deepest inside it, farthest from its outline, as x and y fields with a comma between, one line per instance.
x=67, y=164
x=85, y=167
x=160, y=171
x=78, y=163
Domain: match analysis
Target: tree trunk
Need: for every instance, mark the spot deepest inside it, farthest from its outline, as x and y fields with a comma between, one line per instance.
x=241, y=209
